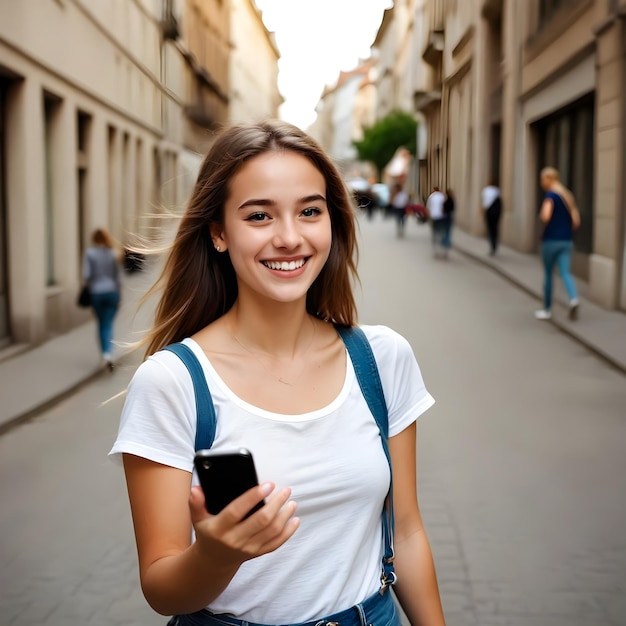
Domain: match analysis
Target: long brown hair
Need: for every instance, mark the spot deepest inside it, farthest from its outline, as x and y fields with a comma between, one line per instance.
x=102, y=237
x=200, y=285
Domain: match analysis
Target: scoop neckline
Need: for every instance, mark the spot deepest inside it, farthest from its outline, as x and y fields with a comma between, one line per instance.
x=213, y=375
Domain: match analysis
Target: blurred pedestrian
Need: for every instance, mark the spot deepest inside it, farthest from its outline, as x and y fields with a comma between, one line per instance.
x=437, y=216
x=561, y=217
x=101, y=274
x=492, y=208
x=448, y=211
x=399, y=202
x=257, y=293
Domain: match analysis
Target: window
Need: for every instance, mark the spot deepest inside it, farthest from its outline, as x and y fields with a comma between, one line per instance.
x=83, y=128
x=547, y=8
x=4, y=288
x=51, y=107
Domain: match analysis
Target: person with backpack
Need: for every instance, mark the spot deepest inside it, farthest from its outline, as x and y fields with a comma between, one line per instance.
x=257, y=306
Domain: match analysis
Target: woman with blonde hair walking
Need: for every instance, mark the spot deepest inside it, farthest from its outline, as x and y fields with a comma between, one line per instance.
x=561, y=217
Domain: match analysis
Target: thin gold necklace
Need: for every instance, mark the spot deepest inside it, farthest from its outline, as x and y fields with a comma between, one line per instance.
x=280, y=379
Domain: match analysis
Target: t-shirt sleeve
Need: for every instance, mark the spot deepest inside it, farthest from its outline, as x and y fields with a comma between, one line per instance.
x=405, y=392
x=158, y=420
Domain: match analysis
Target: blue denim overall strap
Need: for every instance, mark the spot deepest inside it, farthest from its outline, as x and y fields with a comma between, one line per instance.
x=206, y=421
x=367, y=374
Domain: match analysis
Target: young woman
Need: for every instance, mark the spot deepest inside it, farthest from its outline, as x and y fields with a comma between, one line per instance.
x=101, y=274
x=560, y=215
x=257, y=283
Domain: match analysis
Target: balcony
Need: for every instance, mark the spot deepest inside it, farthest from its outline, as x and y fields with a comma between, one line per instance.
x=434, y=48
x=424, y=100
x=169, y=24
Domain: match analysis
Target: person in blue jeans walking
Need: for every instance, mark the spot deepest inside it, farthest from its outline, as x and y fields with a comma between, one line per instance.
x=560, y=215
x=101, y=273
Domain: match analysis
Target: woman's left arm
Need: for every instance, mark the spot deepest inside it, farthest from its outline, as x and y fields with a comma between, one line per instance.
x=547, y=207
x=417, y=588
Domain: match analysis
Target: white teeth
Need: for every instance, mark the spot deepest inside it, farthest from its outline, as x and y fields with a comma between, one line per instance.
x=284, y=265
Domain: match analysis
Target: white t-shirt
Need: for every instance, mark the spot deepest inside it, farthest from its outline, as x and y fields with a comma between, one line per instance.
x=489, y=194
x=332, y=458
x=400, y=199
x=434, y=204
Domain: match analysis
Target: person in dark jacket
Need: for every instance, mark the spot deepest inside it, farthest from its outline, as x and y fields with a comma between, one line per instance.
x=448, y=211
x=492, y=207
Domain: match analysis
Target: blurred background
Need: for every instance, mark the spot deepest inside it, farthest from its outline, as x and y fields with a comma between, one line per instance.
x=107, y=107
x=106, y=110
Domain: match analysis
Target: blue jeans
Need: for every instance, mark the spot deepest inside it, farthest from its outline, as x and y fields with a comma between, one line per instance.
x=446, y=240
x=558, y=252
x=439, y=232
x=105, y=307
x=377, y=610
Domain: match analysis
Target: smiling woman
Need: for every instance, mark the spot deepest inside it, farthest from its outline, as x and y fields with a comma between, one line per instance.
x=257, y=296
x=276, y=231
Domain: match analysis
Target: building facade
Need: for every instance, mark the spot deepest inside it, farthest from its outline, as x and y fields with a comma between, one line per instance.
x=507, y=87
x=343, y=111
x=392, y=51
x=107, y=129
x=254, y=93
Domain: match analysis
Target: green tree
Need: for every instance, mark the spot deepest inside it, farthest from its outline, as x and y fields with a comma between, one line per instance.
x=380, y=141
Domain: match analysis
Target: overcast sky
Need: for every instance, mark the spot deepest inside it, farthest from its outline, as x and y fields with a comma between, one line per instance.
x=317, y=39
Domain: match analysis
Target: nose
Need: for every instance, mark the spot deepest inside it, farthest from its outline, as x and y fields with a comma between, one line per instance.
x=287, y=234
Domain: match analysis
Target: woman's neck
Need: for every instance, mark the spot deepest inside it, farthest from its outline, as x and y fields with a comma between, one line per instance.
x=283, y=329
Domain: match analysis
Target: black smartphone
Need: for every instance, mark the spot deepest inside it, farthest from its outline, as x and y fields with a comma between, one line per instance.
x=224, y=476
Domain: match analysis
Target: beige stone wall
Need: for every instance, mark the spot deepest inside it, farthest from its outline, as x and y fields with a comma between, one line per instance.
x=606, y=263
x=503, y=69
x=98, y=71
x=253, y=62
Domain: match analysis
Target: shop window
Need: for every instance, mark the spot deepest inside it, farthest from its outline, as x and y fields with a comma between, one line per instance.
x=566, y=141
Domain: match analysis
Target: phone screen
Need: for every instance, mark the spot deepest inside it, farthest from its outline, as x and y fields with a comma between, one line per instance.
x=224, y=476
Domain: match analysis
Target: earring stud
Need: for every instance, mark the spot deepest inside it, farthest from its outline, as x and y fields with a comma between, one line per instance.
x=218, y=248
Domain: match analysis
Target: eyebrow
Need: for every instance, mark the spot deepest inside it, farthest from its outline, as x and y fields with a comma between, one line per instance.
x=315, y=197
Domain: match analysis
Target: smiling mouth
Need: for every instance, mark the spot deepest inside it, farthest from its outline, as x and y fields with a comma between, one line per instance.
x=285, y=266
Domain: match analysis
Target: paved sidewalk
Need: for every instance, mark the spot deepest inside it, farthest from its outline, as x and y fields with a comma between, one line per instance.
x=37, y=378
x=602, y=331
x=34, y=379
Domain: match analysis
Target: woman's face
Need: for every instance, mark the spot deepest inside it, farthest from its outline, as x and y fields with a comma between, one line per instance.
x=277, y=226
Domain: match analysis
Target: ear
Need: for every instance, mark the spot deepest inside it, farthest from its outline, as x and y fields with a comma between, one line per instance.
x=217, y=237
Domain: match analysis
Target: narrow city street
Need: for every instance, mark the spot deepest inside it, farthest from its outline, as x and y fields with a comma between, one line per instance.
x=521, y=463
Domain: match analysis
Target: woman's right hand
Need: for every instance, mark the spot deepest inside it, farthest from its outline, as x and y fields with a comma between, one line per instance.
x=230, y=538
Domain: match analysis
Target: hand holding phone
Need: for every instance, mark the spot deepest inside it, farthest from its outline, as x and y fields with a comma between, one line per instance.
x=224, y=476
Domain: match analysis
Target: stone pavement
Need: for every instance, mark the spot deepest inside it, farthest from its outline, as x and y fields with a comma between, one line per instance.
x=34, y=379
x=601, y=331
